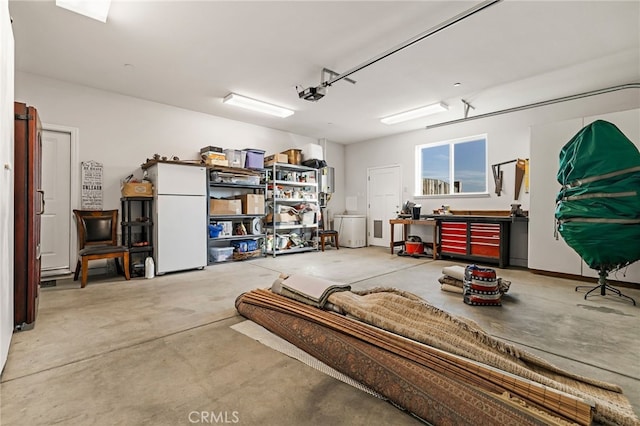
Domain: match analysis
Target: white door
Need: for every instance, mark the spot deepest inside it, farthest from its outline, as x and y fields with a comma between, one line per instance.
x=383, y=193
x=56, y=183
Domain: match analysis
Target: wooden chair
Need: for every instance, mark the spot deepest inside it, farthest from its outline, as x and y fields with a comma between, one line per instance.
x=328, y=234
x=324, y=234
x=98, y=239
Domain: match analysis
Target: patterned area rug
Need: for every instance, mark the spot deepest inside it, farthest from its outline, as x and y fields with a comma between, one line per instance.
x=442, y=386
x=408, y=315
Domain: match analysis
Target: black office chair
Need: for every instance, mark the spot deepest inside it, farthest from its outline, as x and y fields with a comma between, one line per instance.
x=98, y=239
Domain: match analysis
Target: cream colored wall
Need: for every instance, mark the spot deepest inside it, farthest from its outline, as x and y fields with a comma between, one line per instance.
x=508, y=138
x=122, y=132
x=6, y=181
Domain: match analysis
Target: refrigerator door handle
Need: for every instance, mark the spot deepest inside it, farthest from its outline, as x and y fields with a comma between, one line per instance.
x=41, y=191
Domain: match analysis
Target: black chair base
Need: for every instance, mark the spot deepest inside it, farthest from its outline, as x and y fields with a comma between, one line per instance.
x=603, y=286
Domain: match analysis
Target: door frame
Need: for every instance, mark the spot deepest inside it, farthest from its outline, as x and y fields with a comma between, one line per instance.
x=369, y=169
x=74, y=189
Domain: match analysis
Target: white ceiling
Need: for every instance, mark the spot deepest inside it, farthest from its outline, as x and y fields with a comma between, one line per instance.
x=192, y=54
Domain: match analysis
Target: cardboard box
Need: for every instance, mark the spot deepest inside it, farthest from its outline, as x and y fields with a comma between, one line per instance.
x=252, y=203
x=275, y=158
x=225, y=207
x=227, y=228
x=213, y=162
x=282, y=218
x=137, y=189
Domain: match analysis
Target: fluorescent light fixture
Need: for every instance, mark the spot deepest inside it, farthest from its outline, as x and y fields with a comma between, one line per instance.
x=415, y=113
x=95, y=9
x=254, y=105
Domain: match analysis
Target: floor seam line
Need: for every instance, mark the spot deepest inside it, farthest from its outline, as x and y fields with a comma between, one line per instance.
x=89, y=358
x=567, y=357
x=392, y=272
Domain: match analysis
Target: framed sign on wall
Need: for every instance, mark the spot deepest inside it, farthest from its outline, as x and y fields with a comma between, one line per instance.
x=91, y=194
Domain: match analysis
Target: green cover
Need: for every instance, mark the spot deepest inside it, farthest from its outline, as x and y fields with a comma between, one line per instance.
x=598, y=207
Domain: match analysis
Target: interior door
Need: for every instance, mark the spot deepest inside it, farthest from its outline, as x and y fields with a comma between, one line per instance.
x=383, y=193
x=56, y=222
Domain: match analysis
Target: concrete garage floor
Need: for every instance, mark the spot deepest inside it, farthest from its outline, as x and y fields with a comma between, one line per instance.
x=162, y=352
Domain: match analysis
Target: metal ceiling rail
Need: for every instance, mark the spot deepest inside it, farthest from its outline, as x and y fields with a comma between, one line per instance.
x=539, y=104
x=479, y=7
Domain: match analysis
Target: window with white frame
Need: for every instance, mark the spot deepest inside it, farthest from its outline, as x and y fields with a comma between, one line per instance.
x=452, y=167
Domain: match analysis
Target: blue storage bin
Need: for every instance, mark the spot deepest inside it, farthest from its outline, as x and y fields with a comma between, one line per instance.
x=243, y=246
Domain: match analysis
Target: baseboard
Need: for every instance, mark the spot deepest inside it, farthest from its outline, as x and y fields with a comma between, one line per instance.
x=583, y=278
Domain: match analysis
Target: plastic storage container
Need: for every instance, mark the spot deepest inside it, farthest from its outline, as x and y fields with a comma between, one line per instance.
x=244, y=246
x=255, y=159
x=210, y=148
x=234, y=157
x=312, y=151
x=220, y=254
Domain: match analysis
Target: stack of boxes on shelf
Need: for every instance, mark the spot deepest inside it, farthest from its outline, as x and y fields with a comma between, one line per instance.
x=213, y=156
x=275, y=159
x=249, y=204
x=238, y=195
x=249, y=158
x=236, y=206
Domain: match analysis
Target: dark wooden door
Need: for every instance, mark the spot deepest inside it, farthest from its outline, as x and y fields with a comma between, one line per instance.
x=28, y=208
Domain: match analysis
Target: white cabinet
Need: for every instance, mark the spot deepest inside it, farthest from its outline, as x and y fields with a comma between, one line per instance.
x=547, y=253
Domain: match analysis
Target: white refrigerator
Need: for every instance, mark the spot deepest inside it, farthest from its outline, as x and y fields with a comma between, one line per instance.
x=180, y=216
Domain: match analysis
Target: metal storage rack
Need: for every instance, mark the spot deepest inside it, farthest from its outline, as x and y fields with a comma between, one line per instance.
x=137, y=231
x=226, y=182
x=290, y=186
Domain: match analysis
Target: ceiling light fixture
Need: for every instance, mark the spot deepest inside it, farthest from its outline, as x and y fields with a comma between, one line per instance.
x=415, y=113
x=255, y=105
x=94, y=9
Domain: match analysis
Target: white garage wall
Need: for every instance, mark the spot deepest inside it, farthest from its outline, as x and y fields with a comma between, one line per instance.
x=6, y=182
x=508, y=136
x=122, y=132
